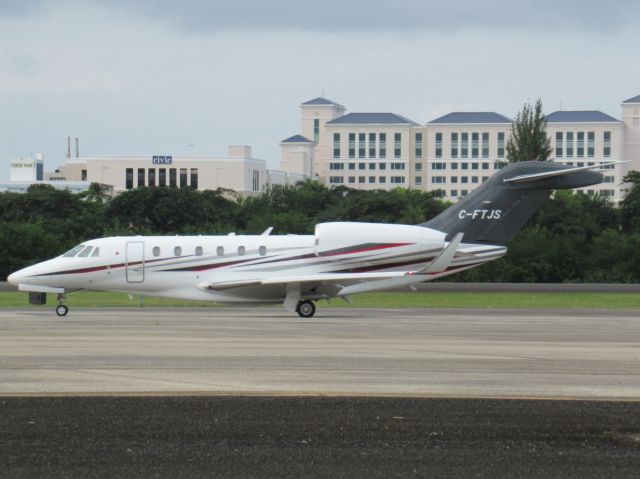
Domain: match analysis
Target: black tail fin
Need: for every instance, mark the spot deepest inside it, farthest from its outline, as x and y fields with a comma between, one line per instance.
x=499, y=208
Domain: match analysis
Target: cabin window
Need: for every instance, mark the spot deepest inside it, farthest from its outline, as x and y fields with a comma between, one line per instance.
x=198, y=250
x=177, y=251
x=262, y=250
x=241, y=250
x=85, y=252
x=96, y=253
x=156, y=251
x=220, y=251
x=74, y=251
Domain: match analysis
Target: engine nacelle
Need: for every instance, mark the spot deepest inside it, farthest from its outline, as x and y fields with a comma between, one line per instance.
x=340, y=237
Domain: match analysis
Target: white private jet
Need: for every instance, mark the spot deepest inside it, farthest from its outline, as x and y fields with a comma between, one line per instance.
x=339, y=260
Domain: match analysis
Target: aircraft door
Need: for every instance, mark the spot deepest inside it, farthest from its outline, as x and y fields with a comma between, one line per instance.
x=135, y=262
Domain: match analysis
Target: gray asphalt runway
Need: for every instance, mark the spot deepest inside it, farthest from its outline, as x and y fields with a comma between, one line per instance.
x=454, y=353
x=319, y=437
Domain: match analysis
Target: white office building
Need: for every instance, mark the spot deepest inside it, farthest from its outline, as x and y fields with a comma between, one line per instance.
x=453, y=153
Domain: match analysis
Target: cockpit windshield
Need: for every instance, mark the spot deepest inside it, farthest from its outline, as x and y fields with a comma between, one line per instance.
x=85, y=252
x=73, y=251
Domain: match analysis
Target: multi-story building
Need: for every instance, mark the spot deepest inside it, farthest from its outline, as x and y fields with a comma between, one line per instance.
x=588, y=138
x=463, y=150
x=453, y=153
x=238, y=171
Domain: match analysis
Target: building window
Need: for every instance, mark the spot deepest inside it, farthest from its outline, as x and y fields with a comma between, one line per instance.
x=454, y=179
x=438, y=166
x=569, y=144
x=183, y=177
x=336, y=145
x=454, y=165
x=128, y=178
x=83, y=175
x=485, y=145
x=173, y=177
x=485, y=166
x=383, y=145
x=438, y=145
x=372, y=166
x=256, y=180
x=454, y=145
x=372, y=179
x=474, y=179
x=151, y=177
x=501, y=144
x=580, y=147
x=382, y=166
x=177, y=251
x=464, y=192
x=418, y=180
x=397, y=145
x=397, y=166
x=336, y=180
x=382, y=179
x=474, y=145
x=352, y=145
x=337, y=166
x=438, y=179
x=464, y=179
x=607, y=144
x=220, y=251
x=194, y=178
x=397, y=179
x=140, y=177
x=418, y=166
x=464, y=148
x=316, y=130
x=608, y=179
x=454, y=193
x=362, y=146
x=352, y=166
x=372, y=145
x=559, y=145
x=418, y=145
x=362, y=166
x=464, y=166
x=162, y=177
x=361, y=179
x=591, y=144
x=352, y=179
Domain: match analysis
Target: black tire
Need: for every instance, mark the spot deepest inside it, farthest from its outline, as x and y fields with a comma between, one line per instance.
x=306, y=309
x=61, y=310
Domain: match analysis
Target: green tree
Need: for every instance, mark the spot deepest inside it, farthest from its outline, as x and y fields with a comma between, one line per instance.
x=630, y=206
x=529, y=140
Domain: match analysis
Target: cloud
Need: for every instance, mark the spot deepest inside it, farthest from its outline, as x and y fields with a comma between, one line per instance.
x=202, y=16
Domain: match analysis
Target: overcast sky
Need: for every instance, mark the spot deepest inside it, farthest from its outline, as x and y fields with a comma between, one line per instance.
x=154, y=77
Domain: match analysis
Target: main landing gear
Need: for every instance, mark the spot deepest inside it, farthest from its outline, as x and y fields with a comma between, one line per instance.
x=61, y=309
x=306, y=308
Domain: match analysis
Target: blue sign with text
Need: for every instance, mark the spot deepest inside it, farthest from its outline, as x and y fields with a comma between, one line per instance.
x=162, y=160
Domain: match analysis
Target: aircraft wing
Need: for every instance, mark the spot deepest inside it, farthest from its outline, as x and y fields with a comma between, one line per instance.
x=352, y=282
x=311, y=278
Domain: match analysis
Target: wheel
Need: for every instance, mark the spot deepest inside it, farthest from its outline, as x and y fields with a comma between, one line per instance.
x=306, y=309
x=61, y=310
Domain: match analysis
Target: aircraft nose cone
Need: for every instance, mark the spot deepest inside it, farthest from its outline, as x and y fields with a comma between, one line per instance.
x=14, y=278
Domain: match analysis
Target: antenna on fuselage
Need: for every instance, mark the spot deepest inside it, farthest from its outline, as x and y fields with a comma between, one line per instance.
x=267, y=232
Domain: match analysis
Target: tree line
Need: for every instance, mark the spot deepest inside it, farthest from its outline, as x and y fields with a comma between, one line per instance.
x=573, y=237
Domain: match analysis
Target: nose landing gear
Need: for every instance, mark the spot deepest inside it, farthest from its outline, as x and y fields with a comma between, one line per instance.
x=306, y=308
x=61, y=309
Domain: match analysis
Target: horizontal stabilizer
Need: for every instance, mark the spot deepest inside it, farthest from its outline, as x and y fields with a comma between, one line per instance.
x=550, y=174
